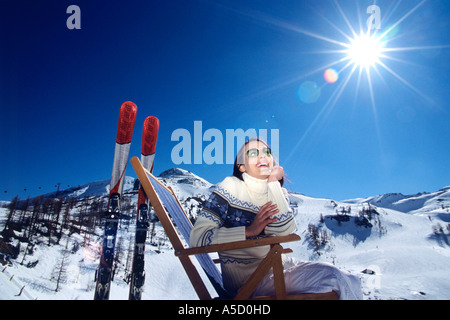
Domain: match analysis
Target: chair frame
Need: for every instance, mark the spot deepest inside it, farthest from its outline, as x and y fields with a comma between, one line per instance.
x=272, y=261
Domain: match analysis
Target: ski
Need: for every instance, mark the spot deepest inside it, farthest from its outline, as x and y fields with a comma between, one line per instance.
x=127, y=117
x=149, y=137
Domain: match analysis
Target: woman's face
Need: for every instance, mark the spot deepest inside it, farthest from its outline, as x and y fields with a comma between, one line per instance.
x=258, y=162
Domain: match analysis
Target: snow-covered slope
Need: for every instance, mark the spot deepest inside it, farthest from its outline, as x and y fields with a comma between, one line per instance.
x=409, y=259
x=421, y=203
x=92, y=189
x=398, y=245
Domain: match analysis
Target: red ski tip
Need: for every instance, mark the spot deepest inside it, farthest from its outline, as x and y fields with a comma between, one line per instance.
x=127, y=117
x=149, y=135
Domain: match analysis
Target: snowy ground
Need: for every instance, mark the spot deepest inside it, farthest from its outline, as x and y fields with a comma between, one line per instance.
x=409, y=260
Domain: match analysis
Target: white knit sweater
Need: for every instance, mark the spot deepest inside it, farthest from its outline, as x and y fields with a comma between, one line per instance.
x=231, y=207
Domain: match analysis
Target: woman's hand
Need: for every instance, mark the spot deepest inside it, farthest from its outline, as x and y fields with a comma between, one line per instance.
x=276, y=174
x=261, y=220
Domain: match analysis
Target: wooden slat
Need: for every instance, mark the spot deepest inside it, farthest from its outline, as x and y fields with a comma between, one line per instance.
x=157, y=204
x=304, y=296
x=194, y=277
x=239, y=245
x=261, y=271
x=278, y=275
x=169, y=228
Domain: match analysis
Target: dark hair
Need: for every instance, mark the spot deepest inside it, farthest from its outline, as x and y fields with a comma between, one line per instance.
x=237, y=173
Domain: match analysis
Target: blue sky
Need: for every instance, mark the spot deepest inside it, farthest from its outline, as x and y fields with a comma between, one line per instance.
x=230, y=65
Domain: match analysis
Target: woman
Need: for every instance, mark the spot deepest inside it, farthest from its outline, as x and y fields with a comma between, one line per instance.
x=253, y=203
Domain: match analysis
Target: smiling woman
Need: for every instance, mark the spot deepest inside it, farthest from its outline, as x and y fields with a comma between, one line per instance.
x=252, y=203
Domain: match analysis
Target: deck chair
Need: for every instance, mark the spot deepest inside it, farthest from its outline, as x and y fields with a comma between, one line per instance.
x=165, y=202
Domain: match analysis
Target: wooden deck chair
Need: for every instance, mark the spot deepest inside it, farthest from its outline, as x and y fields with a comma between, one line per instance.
x=164, y=201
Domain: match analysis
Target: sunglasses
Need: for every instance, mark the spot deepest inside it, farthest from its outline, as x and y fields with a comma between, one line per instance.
x=252, y=153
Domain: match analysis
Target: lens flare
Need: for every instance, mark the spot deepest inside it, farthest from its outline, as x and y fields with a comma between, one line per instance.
x=308, y=92
x=331, y=75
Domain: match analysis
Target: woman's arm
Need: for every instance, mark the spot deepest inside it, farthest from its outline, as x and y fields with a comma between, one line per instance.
x=262, y=219
x=209, y=229
x=284, y=223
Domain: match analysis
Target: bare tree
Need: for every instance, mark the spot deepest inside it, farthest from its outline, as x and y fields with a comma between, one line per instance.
x=59, y=274
x=12, y=210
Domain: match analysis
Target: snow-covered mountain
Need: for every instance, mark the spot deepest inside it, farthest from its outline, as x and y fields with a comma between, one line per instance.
x=92, y=189
x=421, y=203
x=398, y=245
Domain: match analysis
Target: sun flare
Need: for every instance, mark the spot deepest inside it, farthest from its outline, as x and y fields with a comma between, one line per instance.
x=365, y=50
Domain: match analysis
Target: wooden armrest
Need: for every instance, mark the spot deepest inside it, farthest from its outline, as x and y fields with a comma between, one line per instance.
x=285, y=251
x=239, y=245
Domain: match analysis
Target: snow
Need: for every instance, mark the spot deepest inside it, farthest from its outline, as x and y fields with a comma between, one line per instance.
x=407, y=257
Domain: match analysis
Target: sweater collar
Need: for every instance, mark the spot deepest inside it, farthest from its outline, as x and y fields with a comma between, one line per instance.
x=255, y=185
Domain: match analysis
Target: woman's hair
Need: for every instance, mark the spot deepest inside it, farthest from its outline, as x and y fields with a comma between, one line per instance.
x=240, y=160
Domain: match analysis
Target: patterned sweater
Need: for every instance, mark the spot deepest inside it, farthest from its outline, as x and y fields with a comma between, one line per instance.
x=231, y=207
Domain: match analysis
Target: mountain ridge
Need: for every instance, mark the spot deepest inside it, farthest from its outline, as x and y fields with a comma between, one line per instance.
x=396, y=254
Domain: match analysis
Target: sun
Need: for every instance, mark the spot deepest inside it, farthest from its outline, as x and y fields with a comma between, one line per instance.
x=365, y=50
